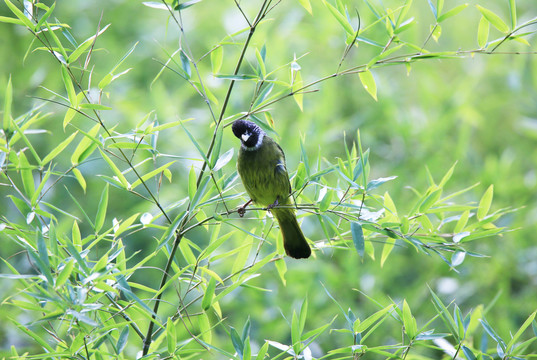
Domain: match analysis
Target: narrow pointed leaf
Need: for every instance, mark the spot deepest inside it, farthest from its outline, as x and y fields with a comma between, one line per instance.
x=368, y=82
x=494, y=19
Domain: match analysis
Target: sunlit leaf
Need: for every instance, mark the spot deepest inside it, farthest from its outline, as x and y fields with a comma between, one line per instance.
x=485, y=202
x=368, y=82
x=494, y=19
x=217, y=58
x=452, y=12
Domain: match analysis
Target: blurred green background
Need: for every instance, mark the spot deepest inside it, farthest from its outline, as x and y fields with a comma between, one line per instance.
x=479, y=111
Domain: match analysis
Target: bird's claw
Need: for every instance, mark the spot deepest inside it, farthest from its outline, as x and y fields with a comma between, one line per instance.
x=242, y=209
x=273, y=205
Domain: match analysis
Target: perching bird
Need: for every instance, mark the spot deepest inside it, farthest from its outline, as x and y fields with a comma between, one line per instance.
x=261, y=166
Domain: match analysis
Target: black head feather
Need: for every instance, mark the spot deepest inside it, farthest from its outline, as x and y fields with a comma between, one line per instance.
x=248, y=132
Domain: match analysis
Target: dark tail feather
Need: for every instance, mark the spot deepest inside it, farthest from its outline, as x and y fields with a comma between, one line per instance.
x=294, y=242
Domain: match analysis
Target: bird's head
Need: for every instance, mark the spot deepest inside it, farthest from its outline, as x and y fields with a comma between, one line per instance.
x=249, y=133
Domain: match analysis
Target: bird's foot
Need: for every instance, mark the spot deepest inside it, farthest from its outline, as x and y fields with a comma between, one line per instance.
x=276, y=203
x=242, y=209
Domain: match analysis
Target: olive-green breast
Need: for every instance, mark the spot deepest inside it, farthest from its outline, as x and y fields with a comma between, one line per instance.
x=264, y=174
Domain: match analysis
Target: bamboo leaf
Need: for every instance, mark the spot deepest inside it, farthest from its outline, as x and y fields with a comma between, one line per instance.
x=494, y=19
x=485, y=202
x=80, y=178
x=452, y=12
x=68, y=83
x=342, y=19
x=358, y=238
x=512, y=9
x=19, y=14
x=409, y=321
x=101, y=210
x=58, y=149
x=151, y=174
x=8, y=99
x=361, y=326
x=217, y=58
x=483, y=32
x=306, y=5
x=122, y=179
x=209, y=294
x=368, y=82
x=26, y=175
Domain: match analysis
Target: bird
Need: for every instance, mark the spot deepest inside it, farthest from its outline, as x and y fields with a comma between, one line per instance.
x=261, y=167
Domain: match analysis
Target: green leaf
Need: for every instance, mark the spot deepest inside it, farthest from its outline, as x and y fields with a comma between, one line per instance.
x=261, y=63
x=492, y=333
x=151, y=174
x=483, y=32
x=192, y=183
x=373, y=184
x=95, y=106
x=236, y=341
x=19, y=14
x=295, y=334
x=452, y=12
x=358, y=238
x=436, y=32
x=402, y=14
x=122, y=179
x=101, y=210
x=26, y=175
x=68, y=83
x=196, y=144
x=297, y=94
x=84, y=46
x=122, y=340
x=200, y=192
x=223, y=159
x=281, y=267
x=124, y=225
x=386, y=250
x=430, y=200
x=306, y=5
x=186, y=4
x=171, y=335
x=63, y=276
x=494, y=19
x=368, y=82
x=361, y=326
x=58, y=149
x=237, y=77
x=156, y=5
x=468, y=353
x=303, y=314
x=342, y=19
x=85, y=144
x=80, y=178
x=8, y=99
x=484, y=203
x=409, y=321
x=108, y=78
x=461, y=223
x=326, y=200
x=433, y=9
x=521, y=330
x=209, y=294
x=217, y=58
x=185, y=63
x=10, y=20
x=512, y=9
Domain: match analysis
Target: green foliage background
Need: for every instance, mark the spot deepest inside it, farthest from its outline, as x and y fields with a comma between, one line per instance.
x=468, y=107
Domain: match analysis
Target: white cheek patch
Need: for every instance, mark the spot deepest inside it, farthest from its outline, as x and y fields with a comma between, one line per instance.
x=245, y=136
